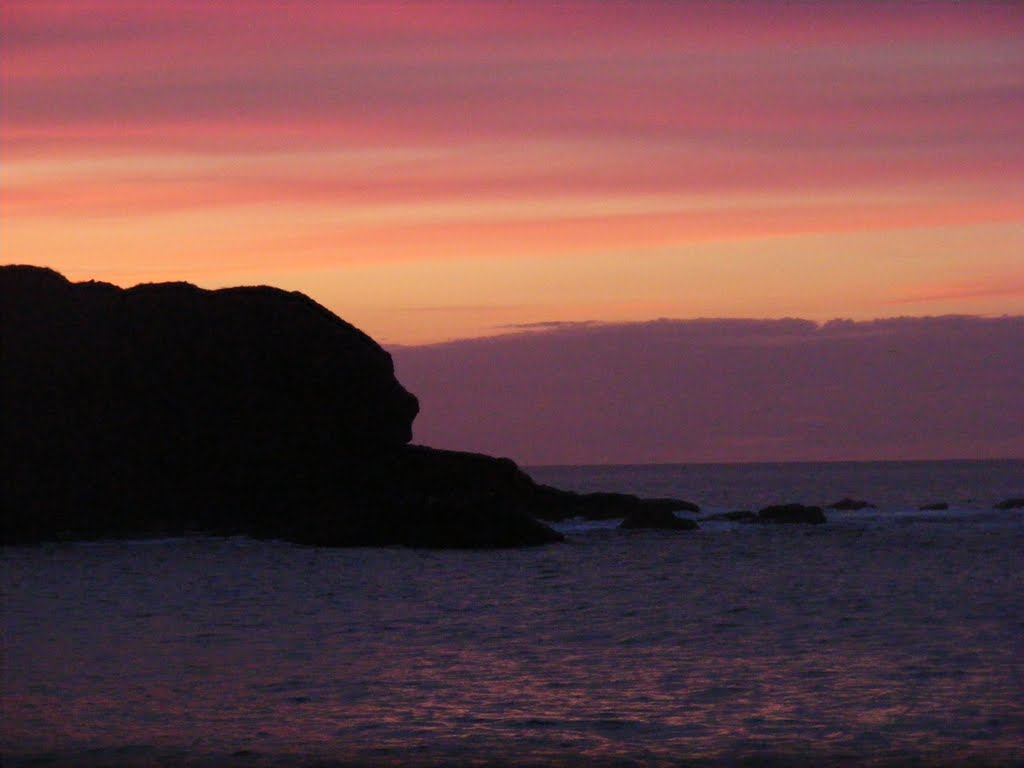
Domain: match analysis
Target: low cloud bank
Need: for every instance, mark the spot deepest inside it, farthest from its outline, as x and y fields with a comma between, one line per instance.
x=727, y=390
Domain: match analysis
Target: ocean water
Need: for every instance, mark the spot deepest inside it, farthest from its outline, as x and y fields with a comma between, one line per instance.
x=885, y=637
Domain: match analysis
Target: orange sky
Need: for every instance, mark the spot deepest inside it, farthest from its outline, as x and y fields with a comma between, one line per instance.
x=444, y=170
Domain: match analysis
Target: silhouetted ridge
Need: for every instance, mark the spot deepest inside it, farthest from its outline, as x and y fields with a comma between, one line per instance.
x=172, y=405
x=166, y=408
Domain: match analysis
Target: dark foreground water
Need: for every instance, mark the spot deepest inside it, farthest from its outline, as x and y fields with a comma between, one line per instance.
x=884, y=637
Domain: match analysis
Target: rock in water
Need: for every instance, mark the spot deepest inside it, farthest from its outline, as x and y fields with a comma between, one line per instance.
x=657, y=518
x=456, y=499
x=166, y=408
x=851, y=505
x=554, y=504
x=736, y=516
x=791, y=513
x=1010, y=504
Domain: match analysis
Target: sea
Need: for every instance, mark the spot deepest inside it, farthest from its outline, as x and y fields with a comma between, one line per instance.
x=887, y=636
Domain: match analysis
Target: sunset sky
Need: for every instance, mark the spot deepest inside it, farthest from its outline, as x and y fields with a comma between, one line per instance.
x=432, y=171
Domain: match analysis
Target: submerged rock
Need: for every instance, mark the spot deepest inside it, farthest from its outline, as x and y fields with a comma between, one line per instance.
x=791, y=513
x=1010, y=504
x=851, y=505
x=738, y=516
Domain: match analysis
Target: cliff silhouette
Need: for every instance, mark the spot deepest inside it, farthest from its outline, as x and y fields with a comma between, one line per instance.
x=166, y=409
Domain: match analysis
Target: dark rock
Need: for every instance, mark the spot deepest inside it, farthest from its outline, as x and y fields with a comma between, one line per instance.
x=739, y=516
x=467, y=499
x=791, y=513
x=938, y=506
x=1010, y=504
x=486, y=520
x=476, y=521
x=671, y=505
x=553, y=504
x=658, y=518
x=851, y=505
x=164, y=409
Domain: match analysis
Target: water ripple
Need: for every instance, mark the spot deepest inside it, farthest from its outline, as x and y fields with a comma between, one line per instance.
x=886, y=644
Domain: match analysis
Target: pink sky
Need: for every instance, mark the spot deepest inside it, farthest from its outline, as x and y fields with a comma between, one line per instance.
x=445, y=170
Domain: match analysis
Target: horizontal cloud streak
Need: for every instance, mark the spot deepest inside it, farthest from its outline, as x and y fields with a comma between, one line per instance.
x=1010, y=285
x=83, y=186
x=458, y=70
x=321, y=144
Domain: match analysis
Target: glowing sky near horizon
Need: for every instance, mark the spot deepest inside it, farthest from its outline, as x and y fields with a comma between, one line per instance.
x=435, y=170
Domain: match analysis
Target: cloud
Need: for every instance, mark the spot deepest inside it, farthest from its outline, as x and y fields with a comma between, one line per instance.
x=1008, y=285
x=548, y=325
x=762, y=76
x=727, y=390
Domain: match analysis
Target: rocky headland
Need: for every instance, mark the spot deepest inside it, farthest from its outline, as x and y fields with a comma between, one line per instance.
x=166, y=409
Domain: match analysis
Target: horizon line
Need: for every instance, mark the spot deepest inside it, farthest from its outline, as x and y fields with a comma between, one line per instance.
x=627, y=465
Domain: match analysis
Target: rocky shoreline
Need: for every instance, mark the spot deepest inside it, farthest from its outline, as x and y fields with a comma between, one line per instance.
x=166, y=409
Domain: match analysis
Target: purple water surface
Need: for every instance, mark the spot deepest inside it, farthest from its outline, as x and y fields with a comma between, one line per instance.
x=878, y=642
